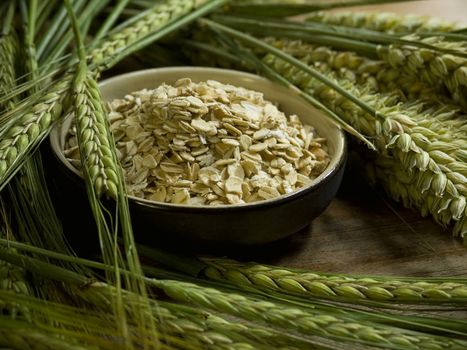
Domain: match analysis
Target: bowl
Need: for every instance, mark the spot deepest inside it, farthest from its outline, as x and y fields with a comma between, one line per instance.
x=242, y=224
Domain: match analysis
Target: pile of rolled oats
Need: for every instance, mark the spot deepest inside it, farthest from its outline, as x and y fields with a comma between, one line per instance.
x=209, y=143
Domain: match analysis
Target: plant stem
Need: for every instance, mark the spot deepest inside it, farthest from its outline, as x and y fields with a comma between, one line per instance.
x=288, y=58
x=110, y=20
x=291, y=8
x=188, y=18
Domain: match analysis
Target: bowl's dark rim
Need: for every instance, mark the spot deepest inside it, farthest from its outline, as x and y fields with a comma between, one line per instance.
x=323, y=179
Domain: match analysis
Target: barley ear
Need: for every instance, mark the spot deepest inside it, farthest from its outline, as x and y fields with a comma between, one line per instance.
x=97, y=158
x=338, y=287
x=305, y=321
x=384, y=21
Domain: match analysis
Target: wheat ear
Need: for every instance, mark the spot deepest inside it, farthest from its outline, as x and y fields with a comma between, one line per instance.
x=8, y=56
x=335, y=286
x=399, y=137
x=335, y=327
x=432, y=66
x=384, y=21
x=32, y=123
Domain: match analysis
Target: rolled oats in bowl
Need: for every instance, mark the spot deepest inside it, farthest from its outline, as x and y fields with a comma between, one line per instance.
x=209, y=143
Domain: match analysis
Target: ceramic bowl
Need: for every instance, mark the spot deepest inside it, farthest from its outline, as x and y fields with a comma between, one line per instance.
x=243, y=224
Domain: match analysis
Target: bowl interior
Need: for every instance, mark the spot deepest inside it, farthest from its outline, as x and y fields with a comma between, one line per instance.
x=288, y=101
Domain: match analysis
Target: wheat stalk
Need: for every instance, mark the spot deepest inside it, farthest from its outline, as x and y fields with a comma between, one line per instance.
x=307, y=322
x=28, y=13
x=13, y=278
x=103, y=175
x=384, y=21
x=152, y=20
x=331, y=286
x=445, y=123
x=186, y=321
x=32, y=123
x=434, y=59
x=402, y=136
x=8, y=56
x=431, y=66
x=214, y=332
x=201, y=329
x=94, y=136
x=194, y=326
x=27, y=338
x=285, y=8
x=393, y=127
x=30, y=128
x=210, y=331
x=377, y=75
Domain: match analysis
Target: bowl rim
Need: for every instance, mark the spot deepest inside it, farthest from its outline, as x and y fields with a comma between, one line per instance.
x=337, y=160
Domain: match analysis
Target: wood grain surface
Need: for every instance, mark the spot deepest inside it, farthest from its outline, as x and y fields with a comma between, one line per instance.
x=363, y=231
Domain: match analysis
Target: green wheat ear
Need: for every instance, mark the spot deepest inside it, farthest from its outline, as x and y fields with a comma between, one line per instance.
x=384, y=21
x=337, y=287
x=94, y=137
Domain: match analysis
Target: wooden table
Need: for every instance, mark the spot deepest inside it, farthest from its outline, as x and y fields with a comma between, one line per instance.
x=363, y=231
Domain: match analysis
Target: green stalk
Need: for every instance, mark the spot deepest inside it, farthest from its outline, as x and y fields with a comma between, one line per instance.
x=110, y=20
x=198, y=327
x=91, y=120
x=84, y=20
x=38, y=113
x=58, y=19
x=359, y=38
x=208, y=7
x=383, y=22
x=451, y=36
x=93, y=328
x=290, y=59
x=218, y=52
x=16, y=91
x=58, y=27
x=12, y=278
x=338, y=287
x=44, y=269
x=189, y=265
x=18, y=335
x=426, y=324
x=262, y=26
x=44, y=13
x=8, y=54
x=8, y=19
x=270, y=73
x=275, y=8
x=35, y=216
x=112, y=46
x=29, y=14
x=337, y=328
